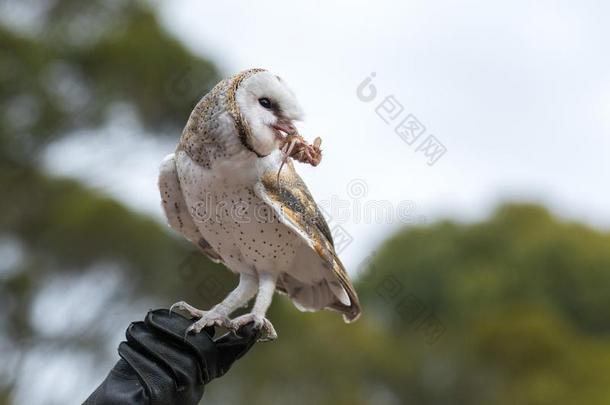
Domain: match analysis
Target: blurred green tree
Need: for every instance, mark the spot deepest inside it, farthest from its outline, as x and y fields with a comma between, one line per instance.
x=78, y=59
x=60, y=72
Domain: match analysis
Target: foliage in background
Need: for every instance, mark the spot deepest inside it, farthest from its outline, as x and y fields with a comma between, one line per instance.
x=519, y=300
x=61, y=71
x=78, y=59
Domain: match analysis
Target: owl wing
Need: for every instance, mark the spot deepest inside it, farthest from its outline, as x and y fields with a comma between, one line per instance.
x=176, y=210
x=295, y=207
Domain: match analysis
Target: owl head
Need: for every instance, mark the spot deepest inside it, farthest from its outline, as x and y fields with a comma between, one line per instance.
x=267, y=108
x=254, y=104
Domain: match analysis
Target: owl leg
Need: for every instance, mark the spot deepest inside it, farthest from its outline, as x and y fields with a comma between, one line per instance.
x=266, y=288
x=219, y=314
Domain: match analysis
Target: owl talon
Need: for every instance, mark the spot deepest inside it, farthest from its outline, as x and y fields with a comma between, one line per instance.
x=184, y=306
x=210, y=318
x=260, y=322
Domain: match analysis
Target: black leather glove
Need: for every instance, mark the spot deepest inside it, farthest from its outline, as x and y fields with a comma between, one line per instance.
x=160, y=366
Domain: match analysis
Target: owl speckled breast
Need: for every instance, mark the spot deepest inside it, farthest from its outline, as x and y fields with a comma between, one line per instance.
x=238, y=225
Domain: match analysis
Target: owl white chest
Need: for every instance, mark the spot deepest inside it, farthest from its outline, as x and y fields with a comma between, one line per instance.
x=239, y=226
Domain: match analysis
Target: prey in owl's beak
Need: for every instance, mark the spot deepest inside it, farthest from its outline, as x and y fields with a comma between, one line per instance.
x=284, y=128
x=292, y=145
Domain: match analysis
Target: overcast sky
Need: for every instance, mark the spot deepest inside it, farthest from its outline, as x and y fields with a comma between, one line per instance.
x=517, y=92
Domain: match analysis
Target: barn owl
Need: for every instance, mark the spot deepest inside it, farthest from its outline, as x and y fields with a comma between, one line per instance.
x=221, y=190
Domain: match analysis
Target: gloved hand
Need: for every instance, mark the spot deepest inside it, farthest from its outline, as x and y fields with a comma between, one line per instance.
x=159, y=365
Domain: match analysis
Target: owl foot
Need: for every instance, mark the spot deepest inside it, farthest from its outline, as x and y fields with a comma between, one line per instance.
x=263, y=323
x=184, y=306
x=206, y=318
x=209, y=318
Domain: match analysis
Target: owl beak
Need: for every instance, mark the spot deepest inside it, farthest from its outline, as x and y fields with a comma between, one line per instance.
x=284, y=127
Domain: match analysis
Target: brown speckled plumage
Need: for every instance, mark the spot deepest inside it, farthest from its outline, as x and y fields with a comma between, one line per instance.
x=200, y=139
x=240, y=123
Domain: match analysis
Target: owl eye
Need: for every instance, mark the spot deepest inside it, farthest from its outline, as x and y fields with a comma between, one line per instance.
x=265, y=102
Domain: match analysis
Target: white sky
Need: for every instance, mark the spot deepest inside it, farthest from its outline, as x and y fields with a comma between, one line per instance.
x=518, y=92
